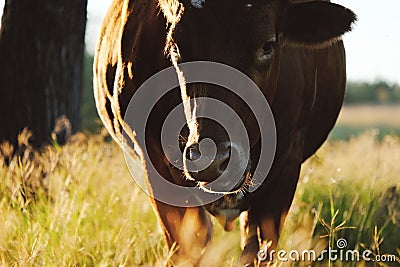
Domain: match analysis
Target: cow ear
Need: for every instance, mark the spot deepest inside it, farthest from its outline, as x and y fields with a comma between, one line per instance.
x=316, y=23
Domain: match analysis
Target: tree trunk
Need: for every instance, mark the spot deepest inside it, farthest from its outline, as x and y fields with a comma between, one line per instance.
x=41, y=61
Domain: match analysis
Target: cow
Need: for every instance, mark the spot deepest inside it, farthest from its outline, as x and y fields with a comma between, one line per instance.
x=292, y=51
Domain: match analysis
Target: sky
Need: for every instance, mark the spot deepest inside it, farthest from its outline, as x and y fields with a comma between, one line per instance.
x=372, y=48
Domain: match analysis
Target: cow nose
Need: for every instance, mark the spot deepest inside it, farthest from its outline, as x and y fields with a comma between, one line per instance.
x=208, y=165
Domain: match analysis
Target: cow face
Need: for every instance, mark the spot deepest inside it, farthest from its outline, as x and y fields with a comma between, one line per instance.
x=249, y=36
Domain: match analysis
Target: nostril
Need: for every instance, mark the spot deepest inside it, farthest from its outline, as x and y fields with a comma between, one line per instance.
x=193, y=152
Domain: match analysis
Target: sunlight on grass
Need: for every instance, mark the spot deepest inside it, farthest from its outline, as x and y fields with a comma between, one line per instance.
x=76, y=205
x=89, y=211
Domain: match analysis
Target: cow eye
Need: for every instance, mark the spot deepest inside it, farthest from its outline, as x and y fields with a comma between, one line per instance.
x=265, y=52
x=268, y=47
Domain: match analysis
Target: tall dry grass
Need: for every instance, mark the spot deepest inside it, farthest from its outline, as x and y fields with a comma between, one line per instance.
x=87, y=213
x=76, y=205
x=351, y=190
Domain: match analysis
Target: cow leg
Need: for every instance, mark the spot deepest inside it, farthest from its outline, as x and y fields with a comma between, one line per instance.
x=279, y=202
x=249, y=239
x=262, y=224
x=187, y=232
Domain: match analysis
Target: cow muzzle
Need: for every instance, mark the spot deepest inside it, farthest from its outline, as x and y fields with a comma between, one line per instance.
x=222, y=167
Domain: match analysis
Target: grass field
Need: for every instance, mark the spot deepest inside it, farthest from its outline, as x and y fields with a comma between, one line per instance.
x=77, y=205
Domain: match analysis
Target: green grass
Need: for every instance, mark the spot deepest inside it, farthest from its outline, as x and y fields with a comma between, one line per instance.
x=346, y=132
x=77, y=205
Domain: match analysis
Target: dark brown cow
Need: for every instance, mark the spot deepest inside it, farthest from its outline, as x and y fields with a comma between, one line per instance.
x=292, y=51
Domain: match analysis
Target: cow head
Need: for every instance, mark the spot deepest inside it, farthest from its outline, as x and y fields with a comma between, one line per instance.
x=249, y=36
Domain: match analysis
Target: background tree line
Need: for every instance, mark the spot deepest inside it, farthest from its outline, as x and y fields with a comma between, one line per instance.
x=377, y=92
